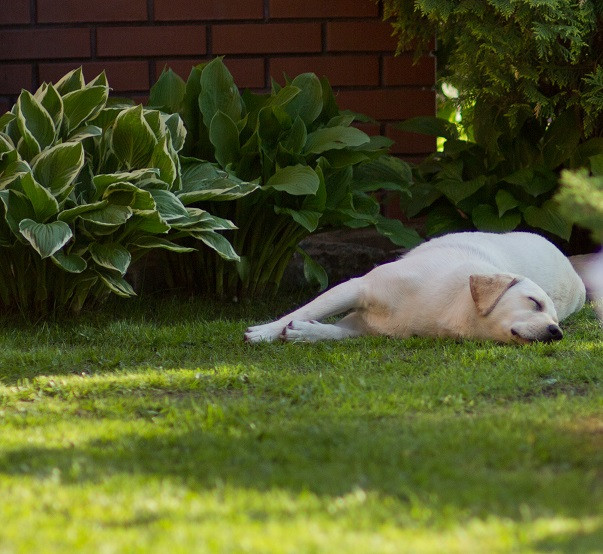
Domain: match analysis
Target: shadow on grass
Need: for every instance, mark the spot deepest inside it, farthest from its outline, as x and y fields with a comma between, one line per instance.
x=422, y=469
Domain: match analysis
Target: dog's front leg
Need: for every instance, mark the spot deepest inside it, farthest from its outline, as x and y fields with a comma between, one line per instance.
x=339, y=299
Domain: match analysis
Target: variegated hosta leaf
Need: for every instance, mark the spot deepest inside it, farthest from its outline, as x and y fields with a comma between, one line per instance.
x=133, y=139
x=149, y=242
x=116, y=284
x=44, y=203
x=84, y=104
x=111, y=256
x=219, y=243
x=57, y=168
x=72, y=263
x=46, y=238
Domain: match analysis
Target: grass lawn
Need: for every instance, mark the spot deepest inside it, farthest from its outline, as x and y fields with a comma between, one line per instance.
x=152, y=427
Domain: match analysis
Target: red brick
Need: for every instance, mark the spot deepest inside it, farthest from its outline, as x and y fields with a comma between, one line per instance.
x=313, y=9
x=14, y=12
x=360, y=36
x=389, y=104
x=402, y=71
x=369, y=128
x=5, y=105
x=410, y=143
x=151, y=41
x=198, y=10
x=247, y=73
x=70, y=11
x=131, y=75
x=267, y=38
x=44, y=44
x=13, y=78
x=340, y=70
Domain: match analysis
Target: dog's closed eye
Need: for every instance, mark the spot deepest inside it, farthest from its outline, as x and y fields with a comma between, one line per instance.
x=537, y=305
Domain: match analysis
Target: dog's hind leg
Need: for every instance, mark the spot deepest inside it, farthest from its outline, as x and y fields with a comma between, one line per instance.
x=339, y=299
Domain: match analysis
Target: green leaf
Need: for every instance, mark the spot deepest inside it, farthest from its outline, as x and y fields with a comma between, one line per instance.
x=127, y=194
x=219, y=243
x=109, y=215
x=162, y=160
x=72, y=263
x=46, y=238
x=296, y=137
x=561, y=138
x=116, y=284
x=296, y=180
x=147, y=222
x=43, y=202
x=82, y=133
x=177, y=130
x=313, y=271
x=217, y=190
x=534, y=182
x=102, y=181
x=111, y=255
x=591, y=147
x=53, y=103
x=308, y=103
x=57, y=168
x=149, y=242
x=18, y=207
x=99, y=80
x=505, y=201
x=69, y=215
x=168, y=92
x=133, y=140
x=486, y=218
x=596, y=164
x=168, y=205
x=549, y=218
x=385, y=172
x=334, y=138
x=35, y=123
x=459, y=190
x=74, y=80
x=432, y=126
x=200, y=220
x=397, y=232
x=83, y=105
x=5, y=119
x=307, y=219
x=218, y=93
x=224, y=135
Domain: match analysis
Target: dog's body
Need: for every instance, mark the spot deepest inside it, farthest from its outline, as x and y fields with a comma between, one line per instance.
x=511, y=287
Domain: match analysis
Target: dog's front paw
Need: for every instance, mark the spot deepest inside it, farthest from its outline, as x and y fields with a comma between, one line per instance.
x=263, y=333
x=303, y=331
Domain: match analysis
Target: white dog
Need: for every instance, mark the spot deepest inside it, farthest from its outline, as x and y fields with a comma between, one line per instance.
x=513, y=287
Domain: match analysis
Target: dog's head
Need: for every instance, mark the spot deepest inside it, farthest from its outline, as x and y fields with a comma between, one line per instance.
x=514, y=309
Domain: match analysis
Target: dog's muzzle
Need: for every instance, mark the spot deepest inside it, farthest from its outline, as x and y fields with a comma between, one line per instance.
x=553, y=332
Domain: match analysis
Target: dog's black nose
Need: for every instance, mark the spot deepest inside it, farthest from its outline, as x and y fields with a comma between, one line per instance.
x=555, y=333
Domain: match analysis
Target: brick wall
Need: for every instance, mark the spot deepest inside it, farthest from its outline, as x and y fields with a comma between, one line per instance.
x=40, y=40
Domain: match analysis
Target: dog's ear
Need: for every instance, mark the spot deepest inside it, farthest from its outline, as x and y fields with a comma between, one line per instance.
x=487, y=290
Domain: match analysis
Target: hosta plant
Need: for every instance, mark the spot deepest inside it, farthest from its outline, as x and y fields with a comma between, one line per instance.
x=87, y=186
x=313, y=169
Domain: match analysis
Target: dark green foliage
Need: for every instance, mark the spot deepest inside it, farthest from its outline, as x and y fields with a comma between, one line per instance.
x=527, y=58
x=469, y=186
x=312, y=170
x=530, y=88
